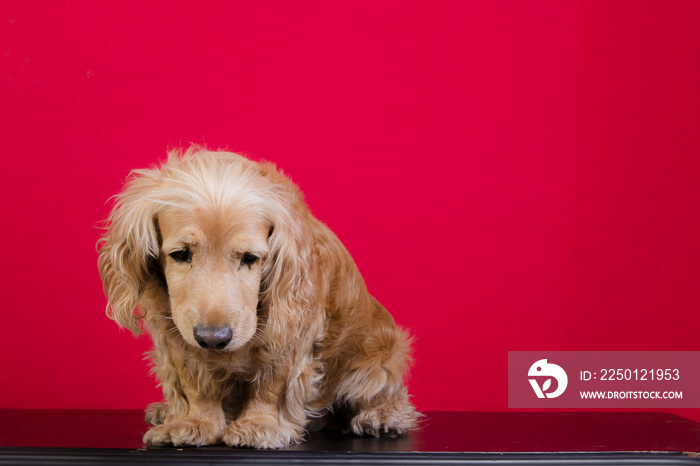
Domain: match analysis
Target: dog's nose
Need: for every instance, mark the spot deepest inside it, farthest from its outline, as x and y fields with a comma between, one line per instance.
x=213, y=337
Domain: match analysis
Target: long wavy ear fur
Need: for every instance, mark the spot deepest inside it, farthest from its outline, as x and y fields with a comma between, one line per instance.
x=287, y=289
x=129, y=249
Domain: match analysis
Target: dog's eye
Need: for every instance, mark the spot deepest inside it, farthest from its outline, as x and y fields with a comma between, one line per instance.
x=183, y=255
x=249, y=259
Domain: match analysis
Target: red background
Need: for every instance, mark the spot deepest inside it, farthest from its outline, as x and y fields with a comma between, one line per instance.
x=507, y=175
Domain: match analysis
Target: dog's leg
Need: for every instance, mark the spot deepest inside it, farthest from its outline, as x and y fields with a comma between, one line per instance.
x=192, y=414
x=373, y=388
x=277, y=412
x=202, y=425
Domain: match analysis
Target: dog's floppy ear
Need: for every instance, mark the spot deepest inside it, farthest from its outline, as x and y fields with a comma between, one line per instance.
x=287, y=288
x=129, y=249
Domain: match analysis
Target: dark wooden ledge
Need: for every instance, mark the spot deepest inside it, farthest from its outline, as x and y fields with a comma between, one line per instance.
x=582, y=438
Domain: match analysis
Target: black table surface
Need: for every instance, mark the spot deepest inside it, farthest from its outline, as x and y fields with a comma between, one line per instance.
x=114, y=437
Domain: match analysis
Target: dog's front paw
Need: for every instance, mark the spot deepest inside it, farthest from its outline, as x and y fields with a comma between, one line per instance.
x=156, y=413
x=259, y=433
x=186, y=431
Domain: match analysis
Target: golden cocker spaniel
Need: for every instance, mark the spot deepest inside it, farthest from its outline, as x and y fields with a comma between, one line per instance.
x=261, y=322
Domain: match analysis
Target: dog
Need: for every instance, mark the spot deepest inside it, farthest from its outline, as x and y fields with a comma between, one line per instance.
x=262, y=325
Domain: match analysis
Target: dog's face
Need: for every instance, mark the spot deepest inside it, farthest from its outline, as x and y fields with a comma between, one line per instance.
x=212, y=260
x=224, y=234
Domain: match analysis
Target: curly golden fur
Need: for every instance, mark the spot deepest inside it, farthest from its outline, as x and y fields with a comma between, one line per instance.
x=261, y=322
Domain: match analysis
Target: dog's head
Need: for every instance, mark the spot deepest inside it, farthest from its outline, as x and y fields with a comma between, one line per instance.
x=225, y=238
